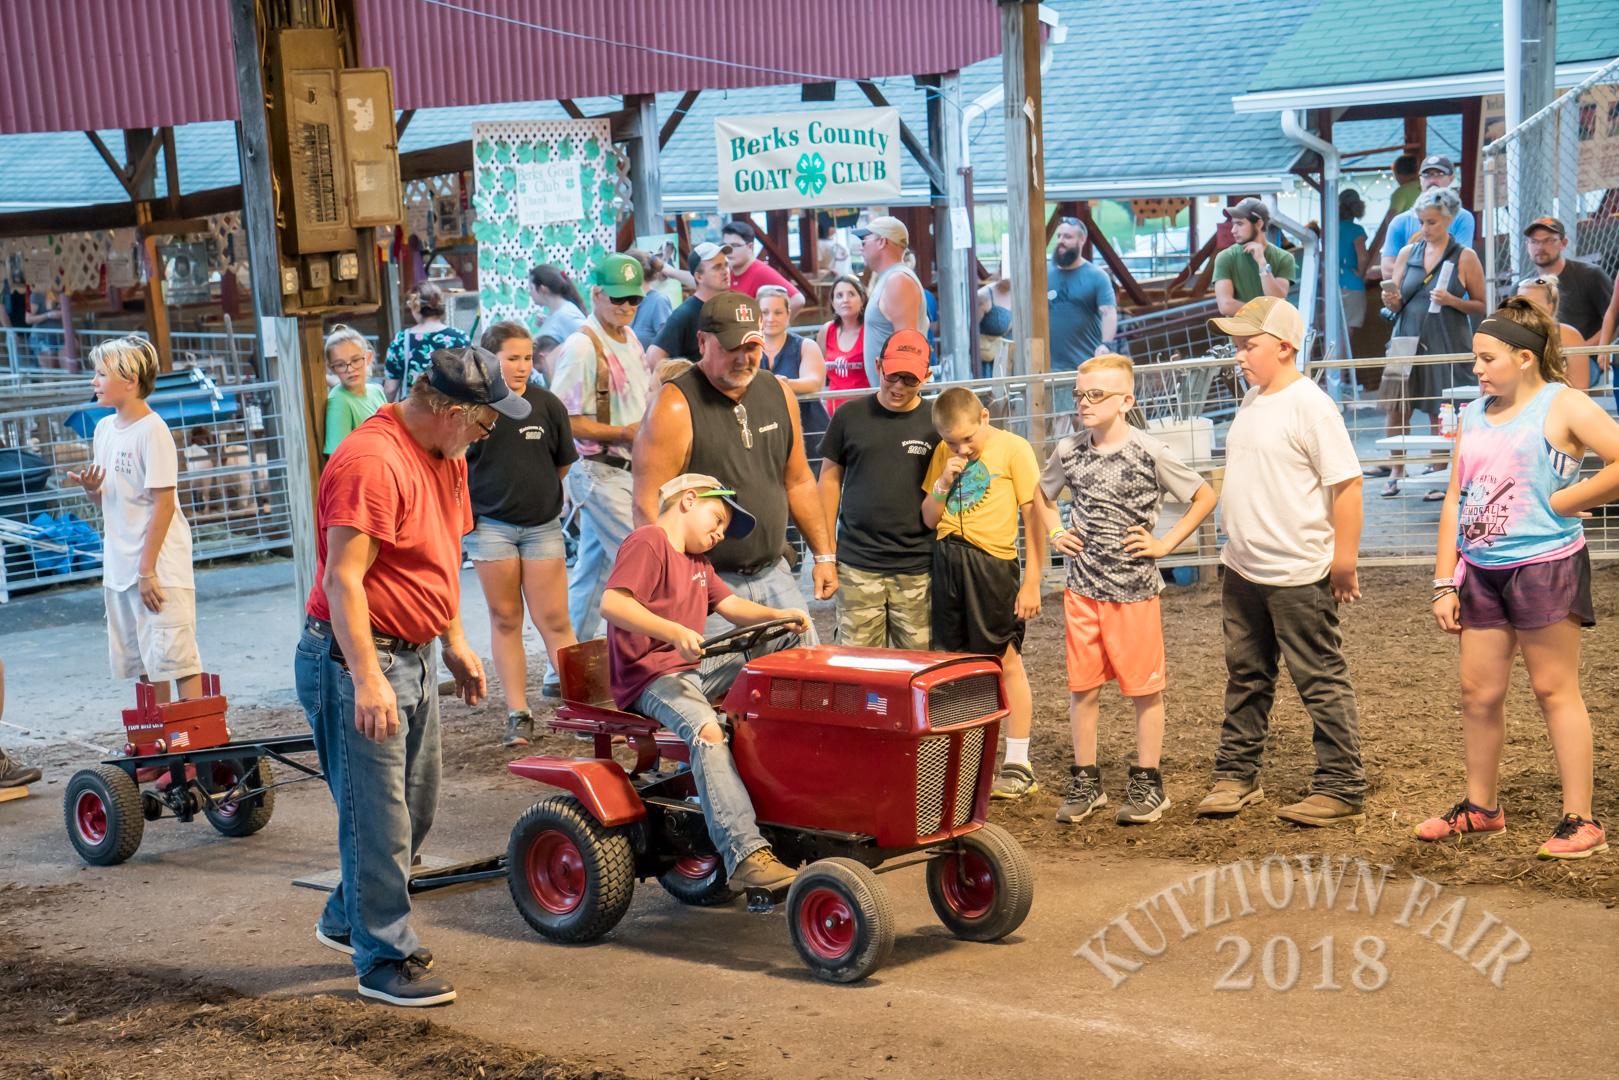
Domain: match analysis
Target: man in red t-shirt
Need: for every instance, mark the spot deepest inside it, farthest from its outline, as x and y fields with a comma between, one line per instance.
x=389, y=518
x=661, y=591
x=749, y=272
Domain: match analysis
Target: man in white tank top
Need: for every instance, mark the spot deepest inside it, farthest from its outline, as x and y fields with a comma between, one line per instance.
x=896, y=301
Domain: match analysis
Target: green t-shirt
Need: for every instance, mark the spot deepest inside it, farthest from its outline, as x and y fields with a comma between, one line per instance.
x=1238, y=267
x=346, y=411
x=1404, y=196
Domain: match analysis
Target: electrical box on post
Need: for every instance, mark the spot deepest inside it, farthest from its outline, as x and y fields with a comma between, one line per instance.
x=335, y=168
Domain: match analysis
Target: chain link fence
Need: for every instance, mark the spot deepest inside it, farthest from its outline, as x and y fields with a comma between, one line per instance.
x=1562, y=162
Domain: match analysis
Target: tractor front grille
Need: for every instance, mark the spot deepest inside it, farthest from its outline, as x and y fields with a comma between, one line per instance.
x=961, y=700
x=932, y=778
x=932, y=766
x=971, y=758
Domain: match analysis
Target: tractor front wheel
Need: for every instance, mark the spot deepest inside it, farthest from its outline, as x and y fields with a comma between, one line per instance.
x=983, y=888
x=840, y=920
x=102, y=806
x=570, y=876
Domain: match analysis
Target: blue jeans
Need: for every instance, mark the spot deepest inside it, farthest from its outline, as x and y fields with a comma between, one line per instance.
x=385, y=792
x=680, y=702
x=601, y=495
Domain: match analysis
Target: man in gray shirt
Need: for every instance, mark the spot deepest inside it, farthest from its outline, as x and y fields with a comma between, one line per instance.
x=896, y=301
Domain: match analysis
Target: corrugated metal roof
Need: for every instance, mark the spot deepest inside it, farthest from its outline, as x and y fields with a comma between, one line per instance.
x=97, y=64
x=93, y=64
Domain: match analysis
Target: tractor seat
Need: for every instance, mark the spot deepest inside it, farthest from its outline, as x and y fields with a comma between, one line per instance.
x=587, y=703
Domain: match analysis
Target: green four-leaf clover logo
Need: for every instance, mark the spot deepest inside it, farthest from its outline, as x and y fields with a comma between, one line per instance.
x=811, y=178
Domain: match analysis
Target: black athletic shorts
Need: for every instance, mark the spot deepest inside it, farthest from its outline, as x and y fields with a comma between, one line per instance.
x=974, y=599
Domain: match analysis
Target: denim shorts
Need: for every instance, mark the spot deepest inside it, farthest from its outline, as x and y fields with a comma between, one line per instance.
x=494, y=540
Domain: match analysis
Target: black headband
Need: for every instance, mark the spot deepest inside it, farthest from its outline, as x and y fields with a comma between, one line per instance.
x=1515, y=334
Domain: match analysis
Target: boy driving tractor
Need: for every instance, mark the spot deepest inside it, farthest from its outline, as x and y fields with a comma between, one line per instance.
x=660, y=592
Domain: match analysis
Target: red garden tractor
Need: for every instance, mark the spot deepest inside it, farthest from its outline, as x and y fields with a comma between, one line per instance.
x=859, y=761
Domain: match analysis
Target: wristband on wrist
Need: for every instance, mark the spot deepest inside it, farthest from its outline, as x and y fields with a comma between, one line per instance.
x=942, y=496
x=1054, y=532
x=147, y=577
x=1444, y=582
x=831, y=557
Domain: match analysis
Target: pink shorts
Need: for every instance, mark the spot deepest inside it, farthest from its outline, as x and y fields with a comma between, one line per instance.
x=1108, y=641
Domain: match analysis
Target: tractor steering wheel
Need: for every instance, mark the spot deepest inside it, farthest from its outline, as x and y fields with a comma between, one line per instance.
x=747, y=638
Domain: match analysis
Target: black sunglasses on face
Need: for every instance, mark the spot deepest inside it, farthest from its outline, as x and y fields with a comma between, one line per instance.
x=903, y=379
x=633, y=299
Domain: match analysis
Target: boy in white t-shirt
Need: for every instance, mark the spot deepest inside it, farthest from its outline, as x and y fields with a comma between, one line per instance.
x=146, y=556
x=1292, y=515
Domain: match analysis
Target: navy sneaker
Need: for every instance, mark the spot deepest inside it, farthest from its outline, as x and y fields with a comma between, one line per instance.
x=340, y=943
x=406, y=983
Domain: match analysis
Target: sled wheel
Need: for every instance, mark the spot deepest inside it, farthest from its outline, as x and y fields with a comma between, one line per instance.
x=698, y=880
x=982, y=890
x=840, y=920
x=570, y=876
x=102, y=806
x=246, y=816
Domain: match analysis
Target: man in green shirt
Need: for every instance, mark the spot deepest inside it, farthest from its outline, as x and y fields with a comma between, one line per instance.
x=353, y=400
x=1250, y=267
x=1405, y=174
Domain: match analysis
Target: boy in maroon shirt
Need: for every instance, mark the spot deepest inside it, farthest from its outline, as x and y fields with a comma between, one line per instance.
x=661, y=591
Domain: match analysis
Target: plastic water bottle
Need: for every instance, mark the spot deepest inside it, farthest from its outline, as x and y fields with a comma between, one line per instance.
x=1447, y=420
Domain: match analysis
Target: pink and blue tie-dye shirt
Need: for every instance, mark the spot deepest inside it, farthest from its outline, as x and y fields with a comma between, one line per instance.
x=1508, y=472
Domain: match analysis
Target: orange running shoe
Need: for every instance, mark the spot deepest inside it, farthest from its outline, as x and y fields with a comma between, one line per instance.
x=1463, y=819
x=1574, y=838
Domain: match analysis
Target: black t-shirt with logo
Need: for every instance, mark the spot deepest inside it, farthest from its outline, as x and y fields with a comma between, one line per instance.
x=1583, y=293
x=513, y=474
x=884, y=456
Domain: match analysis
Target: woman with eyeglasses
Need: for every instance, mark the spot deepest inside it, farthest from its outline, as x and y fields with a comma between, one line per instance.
x=1437, y=286
x=796, y=361
x=411, y=351
x=514, y=478
x=352, y=401
x=1542, y=290
x=842, y=341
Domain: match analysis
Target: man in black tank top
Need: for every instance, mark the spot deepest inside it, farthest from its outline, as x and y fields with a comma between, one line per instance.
x=719, y=419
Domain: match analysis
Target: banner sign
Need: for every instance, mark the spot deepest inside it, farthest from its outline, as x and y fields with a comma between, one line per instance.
x=546, y=192
x=835, y=157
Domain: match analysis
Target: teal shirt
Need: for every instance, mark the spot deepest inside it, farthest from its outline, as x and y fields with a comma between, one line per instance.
x=346, y=411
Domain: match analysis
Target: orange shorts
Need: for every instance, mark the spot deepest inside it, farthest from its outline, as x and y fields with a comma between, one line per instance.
x=1108, y=641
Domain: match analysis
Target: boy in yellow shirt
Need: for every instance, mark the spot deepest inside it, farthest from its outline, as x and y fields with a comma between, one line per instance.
x=980, y=483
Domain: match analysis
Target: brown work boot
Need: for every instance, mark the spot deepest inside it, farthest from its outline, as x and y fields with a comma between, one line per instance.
x=1319, y=810
x=1227, y=797
x=762, y=870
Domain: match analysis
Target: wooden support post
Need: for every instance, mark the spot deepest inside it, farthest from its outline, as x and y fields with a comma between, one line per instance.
x=1127, y=280
x=809, y=244
x=646, y=185
x=1026, y=200
x=1472, y=118
x=776, y=228
x=1416, y=137
x=301, y=398
x=140, y=149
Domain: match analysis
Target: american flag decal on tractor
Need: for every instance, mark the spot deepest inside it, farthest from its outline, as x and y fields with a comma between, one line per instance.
x=876, y=703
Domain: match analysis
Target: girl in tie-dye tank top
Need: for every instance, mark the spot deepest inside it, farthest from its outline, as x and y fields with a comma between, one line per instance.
x=1512, y=574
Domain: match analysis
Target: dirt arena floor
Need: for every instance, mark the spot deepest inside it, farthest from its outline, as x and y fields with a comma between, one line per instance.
x=74, y=1015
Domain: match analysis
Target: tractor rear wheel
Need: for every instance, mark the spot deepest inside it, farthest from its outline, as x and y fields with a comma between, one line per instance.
x=982, y=890
x=698, y=880
x=102, y=807
x=840, y=920
x=570, y=876
x=245, y=816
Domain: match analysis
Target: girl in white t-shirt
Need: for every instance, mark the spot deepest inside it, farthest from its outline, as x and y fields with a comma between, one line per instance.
x=146, y=555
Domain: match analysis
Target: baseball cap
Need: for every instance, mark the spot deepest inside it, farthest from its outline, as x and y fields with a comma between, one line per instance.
x=891, y=229
x=618, y=275
x=1247, y=209
x=702, y=253
x=472, y=377
x=1440, y=162
x=1550, y=224
x=905, y=352
x=741, y=523
x=732, y=317
x=1265, y=315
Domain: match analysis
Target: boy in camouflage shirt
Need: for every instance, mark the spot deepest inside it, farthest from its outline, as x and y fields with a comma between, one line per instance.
x=1118, y=475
